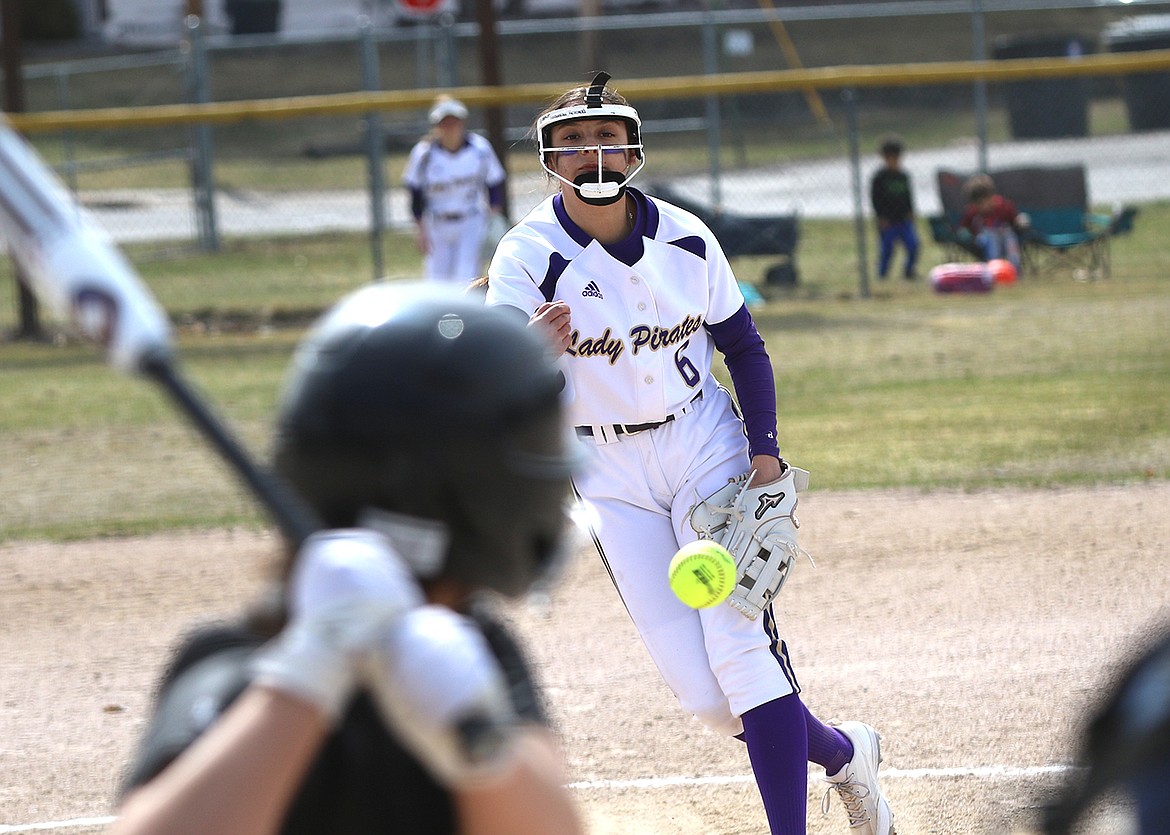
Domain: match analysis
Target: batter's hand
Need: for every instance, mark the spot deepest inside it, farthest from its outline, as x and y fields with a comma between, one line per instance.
x=554, y=320
x=441, y=691
x=346, y=586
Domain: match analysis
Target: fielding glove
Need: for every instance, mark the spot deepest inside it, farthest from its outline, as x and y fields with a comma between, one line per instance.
x=758, y=526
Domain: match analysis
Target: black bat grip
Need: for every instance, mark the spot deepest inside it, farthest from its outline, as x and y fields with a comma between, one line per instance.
x=294, y=518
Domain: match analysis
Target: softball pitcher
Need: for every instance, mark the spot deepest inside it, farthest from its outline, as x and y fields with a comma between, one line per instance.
x=636, y=296
x=456, y=185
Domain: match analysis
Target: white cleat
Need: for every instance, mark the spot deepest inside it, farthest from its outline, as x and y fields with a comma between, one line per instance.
x=857, y=783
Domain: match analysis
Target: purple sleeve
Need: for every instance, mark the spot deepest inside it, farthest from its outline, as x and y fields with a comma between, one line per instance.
x=418, y=202
x=751, y=373
x=496, y=196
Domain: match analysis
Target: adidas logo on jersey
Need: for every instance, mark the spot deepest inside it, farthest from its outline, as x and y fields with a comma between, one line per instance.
x=592, y=291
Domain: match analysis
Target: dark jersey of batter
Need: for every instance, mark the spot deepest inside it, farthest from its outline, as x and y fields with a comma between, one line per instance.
x=362, y=780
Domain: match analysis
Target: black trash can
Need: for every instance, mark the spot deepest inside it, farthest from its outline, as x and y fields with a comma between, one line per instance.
x=1147, y=95
x=1046, y=107
x=253, y=17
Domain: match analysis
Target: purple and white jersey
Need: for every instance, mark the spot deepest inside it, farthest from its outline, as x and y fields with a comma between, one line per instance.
x=639, y=344
x=454, y=183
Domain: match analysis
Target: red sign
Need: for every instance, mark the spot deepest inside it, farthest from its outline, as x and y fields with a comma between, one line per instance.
x=423, y=8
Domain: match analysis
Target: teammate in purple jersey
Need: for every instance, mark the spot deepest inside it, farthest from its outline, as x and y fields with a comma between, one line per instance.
x=456, y=185
x=636, y=296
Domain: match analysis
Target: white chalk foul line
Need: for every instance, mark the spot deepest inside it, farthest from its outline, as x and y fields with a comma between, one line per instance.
x=987, y=772
x=1001, y=772
x=76, y=823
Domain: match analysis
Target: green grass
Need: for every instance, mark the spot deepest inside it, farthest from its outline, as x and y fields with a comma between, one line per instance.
x=275, y=278
x=1022, y=387
x=1049, y=382
x=255, y=282
x=89, y=452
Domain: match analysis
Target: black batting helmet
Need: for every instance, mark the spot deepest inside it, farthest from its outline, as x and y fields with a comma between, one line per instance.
x=1125, y=746
x=418, y=411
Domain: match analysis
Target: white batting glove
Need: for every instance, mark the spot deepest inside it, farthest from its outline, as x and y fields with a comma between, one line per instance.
x=346, y=586
x=440, y=690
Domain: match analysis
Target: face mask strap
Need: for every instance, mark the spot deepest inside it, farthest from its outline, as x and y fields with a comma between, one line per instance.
x=601, y=197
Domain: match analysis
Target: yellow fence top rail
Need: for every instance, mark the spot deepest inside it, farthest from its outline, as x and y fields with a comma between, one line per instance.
x=839, y=77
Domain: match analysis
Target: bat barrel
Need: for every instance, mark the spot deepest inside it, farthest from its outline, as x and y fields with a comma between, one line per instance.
x=74, y=267
x=70, y=262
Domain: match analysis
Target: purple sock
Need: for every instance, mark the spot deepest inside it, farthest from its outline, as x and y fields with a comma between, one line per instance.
x=827, y=746
x=777, y=743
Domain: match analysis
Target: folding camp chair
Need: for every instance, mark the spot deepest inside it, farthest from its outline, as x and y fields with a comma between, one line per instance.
x=957, y=244
x=1063, y=233
x=1057, y=239
x=1120, y=223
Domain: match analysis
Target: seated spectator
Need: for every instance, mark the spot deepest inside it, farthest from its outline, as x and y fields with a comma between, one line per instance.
x=992, y=220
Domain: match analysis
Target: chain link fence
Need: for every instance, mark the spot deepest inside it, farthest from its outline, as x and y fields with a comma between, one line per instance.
x=806, y=150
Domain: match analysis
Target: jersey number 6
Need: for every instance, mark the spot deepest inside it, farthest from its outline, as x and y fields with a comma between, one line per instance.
x=686, y=368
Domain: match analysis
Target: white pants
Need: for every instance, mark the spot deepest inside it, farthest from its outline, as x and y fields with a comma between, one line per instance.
x=637, y=491
x=456, y=248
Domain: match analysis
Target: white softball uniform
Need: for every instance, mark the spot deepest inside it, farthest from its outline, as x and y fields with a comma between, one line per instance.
x=640, y=354
x=454, y=187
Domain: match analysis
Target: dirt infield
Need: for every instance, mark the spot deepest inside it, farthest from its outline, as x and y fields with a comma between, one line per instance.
x=972, y=629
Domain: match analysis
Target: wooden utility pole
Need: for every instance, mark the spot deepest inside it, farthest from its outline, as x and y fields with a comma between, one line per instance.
x=793, y=57
x=590, y=46
x=10, y=55
x=489, y=52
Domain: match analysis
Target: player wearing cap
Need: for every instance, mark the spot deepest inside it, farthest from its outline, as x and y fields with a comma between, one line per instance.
x=368, y=692
x=456, y=185
x=636, y=296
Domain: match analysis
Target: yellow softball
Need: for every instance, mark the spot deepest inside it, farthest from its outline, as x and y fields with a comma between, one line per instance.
x=702, y=574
